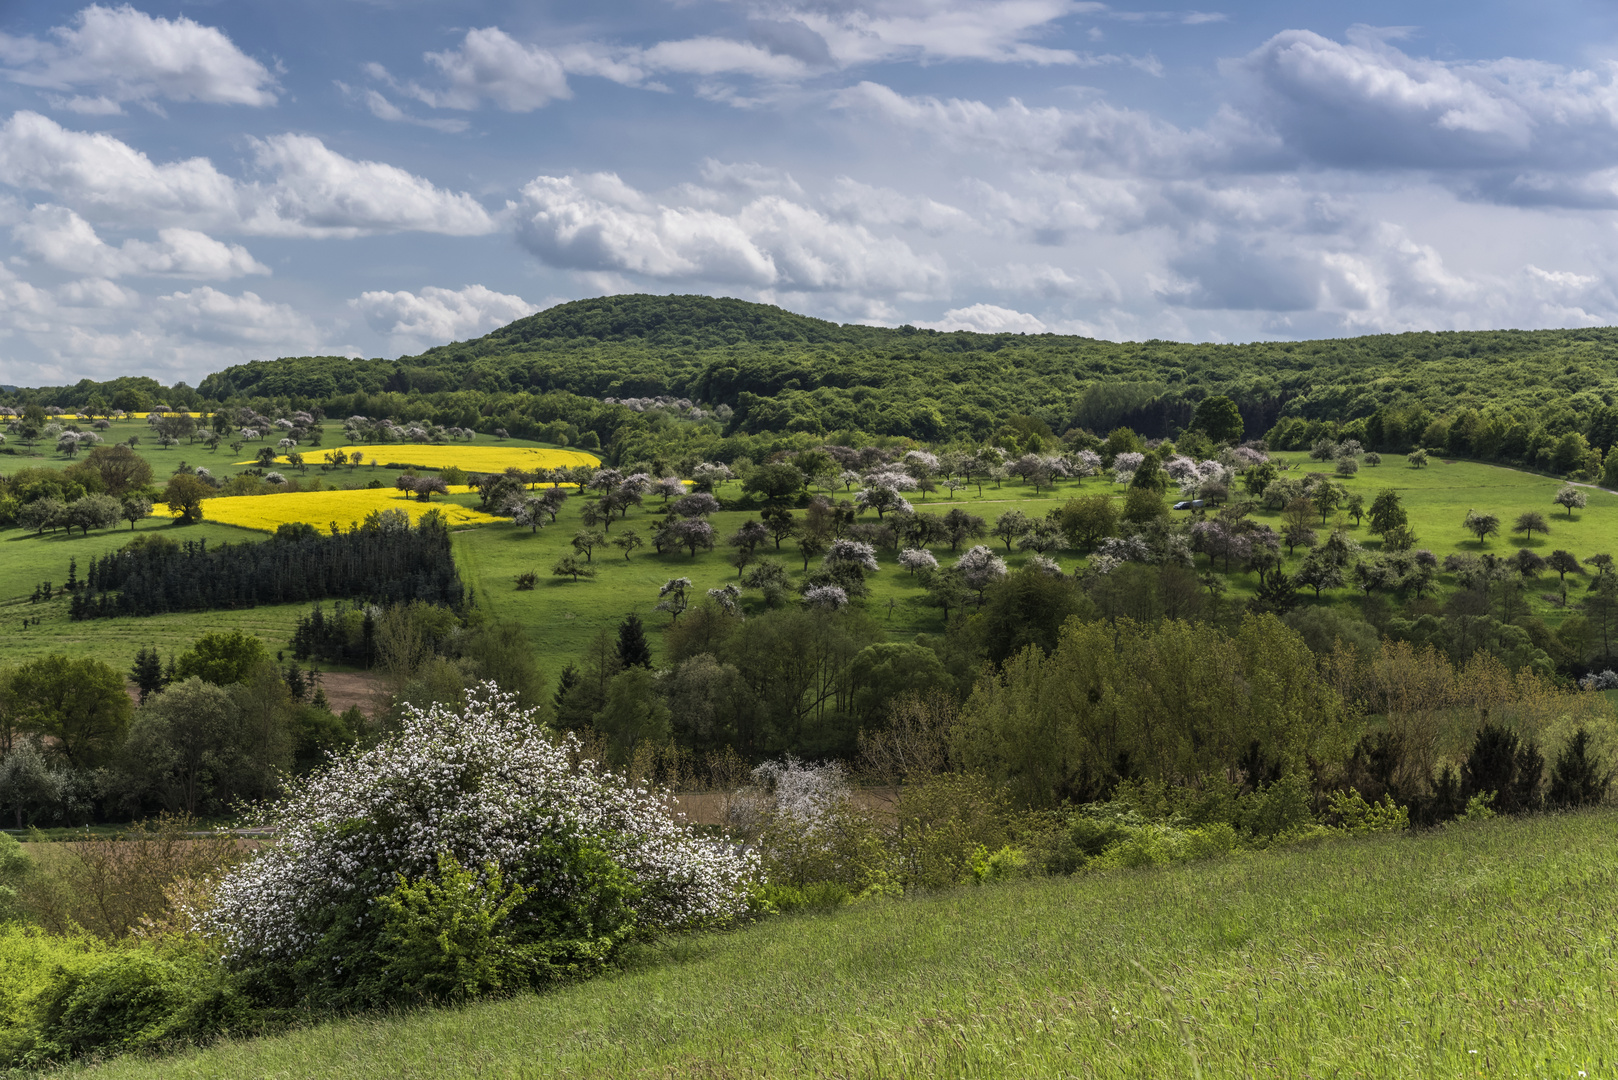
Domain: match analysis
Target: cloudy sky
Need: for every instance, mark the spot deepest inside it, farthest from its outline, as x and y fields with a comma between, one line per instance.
x=187, y=185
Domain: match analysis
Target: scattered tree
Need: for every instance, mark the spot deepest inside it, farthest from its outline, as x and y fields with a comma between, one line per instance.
x=673, y=597
x=1529, y=522
x=1572, y=498
x=1482, y=526
x=569, y=566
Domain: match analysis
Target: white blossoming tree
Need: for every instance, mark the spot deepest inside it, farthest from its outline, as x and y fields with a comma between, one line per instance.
x=914, y=559
x=852, y=553
x=467, y=853
x=980, y=568
x=826, y=597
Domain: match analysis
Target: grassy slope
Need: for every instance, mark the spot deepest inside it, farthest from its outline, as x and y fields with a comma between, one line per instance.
x=1476, y=951
x=562, y=615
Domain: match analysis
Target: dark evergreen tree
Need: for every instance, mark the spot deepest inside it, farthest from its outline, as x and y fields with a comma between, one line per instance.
x=1580, y=777
x=297, y=684
x=1501, y=763
x=633, y=648
x=568, y=680
x=147, y=673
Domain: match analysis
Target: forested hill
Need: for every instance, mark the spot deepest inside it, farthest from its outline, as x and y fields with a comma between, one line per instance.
x=779, y=372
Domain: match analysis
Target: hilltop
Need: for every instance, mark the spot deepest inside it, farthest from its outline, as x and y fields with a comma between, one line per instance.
x=782, y=371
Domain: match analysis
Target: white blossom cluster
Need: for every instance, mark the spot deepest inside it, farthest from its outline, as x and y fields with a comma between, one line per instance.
x=885, y=497
x=826, y=597
x=1601, y=680
x=851, y=552
x=1126, y=465
x=981, y=567
x=889, y=477
x=679, y=408
x=486, y=784
x=1192, y=476
x=801, y=790
x=1044, y=564
x=914, y=559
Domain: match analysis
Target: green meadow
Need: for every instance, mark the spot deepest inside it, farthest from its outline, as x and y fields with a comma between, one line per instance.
x=1476, y=950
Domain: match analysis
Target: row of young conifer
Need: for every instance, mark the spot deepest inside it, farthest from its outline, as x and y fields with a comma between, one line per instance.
x=388, y=562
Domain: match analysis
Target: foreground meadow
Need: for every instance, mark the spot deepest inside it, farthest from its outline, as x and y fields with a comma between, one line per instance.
x=1478, y=950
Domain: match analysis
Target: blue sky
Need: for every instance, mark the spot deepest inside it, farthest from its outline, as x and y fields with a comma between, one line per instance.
x=188, y=185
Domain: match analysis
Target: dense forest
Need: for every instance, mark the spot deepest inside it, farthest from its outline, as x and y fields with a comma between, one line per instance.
x=724, y=378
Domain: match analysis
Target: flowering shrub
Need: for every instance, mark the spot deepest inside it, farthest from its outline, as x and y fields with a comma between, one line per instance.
x=597, y=860
x=1125, y=465
x=1601, y=680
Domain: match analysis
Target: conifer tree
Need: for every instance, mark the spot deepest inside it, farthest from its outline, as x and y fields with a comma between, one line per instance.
x=633, y=648
x=147, y=673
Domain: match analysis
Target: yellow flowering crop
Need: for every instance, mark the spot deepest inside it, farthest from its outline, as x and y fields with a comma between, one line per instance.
x=320, y=508
x=485, y=459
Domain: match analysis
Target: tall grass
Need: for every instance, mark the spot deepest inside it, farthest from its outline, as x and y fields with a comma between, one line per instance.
x=1481, y=950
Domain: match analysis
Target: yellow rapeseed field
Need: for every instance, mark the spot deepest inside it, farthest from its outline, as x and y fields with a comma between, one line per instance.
x=484, y=459
x=321, y=508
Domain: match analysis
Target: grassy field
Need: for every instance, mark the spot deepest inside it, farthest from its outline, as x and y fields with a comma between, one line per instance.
x=1480, y=950
x=561, y=615
x=27, y=559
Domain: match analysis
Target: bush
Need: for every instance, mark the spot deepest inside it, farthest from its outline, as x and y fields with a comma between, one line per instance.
x=597, y=860
x=67, y=996
x=463, y=934
x=944, y=827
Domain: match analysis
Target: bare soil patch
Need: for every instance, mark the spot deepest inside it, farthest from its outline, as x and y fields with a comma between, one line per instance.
x=345, y=689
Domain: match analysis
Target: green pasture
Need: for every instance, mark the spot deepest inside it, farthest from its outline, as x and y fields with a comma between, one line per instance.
x=1481, y=950
x=219, y=461
x=561, y=615
x=1439, y=496
x=26, y=560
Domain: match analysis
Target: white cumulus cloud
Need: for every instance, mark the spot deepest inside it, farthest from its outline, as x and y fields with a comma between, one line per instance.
x=208, y=314
x=65, y=241
x=491, y=64
x=1100, y=136
x=311, y=190
x=435, y=315
x=598, y=223
x=111, y=55
x=989, y=319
